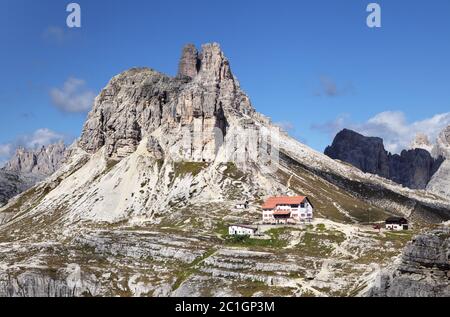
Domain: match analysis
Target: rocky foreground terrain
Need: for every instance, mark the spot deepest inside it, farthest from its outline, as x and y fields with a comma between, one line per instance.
x=424, y=268
x=141, y=205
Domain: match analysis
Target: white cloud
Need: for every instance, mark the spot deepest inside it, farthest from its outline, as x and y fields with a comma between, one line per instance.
x=39, y=138
x=73, y=97
x=392, y=127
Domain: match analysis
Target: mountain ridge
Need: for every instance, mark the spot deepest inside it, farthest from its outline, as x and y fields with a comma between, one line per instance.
x=412, y=168
x=28, y=167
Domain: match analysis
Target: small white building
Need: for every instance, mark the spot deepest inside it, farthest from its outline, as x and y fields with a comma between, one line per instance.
x=242, y=230
x=397, y=224
x=284, y=210
x=242, y=205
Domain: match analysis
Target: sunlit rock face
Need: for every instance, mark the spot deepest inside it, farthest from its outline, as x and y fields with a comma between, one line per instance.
x=440, y=183
x=189, y=113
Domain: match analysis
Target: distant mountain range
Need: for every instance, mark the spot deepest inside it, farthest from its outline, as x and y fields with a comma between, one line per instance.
x=27, y=167
x=413, y=168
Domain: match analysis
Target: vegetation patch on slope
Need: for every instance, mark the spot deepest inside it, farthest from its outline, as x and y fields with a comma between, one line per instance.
x=184, y=168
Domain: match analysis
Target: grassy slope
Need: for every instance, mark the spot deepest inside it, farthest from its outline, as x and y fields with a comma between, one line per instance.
x=330, y=201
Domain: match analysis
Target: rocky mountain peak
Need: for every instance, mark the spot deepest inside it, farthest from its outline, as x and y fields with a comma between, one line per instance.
x=421, y=141
x=214, y=66
x=180, y=115
x=366, y=153
x=210, y=64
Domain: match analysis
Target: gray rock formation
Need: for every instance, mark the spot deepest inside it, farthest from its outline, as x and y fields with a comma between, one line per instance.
x=28, y=167
x=442, y=147
x=440, y=183
x=189, y=63
x=37, y=284
x=424, y=270
x=366, y=153
x=412, y=168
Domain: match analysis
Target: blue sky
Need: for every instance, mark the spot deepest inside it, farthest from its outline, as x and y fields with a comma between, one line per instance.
x=313, y=66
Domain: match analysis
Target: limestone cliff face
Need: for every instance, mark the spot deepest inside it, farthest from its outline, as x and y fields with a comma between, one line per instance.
x=440, y=183
x=424, y=270
x=442, y=147
x=412, y=168
x=187, y=115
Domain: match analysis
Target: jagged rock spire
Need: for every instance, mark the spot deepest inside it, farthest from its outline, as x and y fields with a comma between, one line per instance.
x=214, y=66
x=189, y=63
x=210, y=64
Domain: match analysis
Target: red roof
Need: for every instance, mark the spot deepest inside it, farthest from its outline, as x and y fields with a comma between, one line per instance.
x=272, y=202
x=281, y=213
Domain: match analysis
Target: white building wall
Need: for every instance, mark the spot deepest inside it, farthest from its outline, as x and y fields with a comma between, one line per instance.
x=240, y=231
x=305, y=214
x=394, y=227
